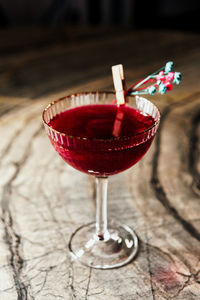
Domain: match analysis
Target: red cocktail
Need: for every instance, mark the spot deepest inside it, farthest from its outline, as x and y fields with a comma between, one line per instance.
x=97, y=151
x=100, y=138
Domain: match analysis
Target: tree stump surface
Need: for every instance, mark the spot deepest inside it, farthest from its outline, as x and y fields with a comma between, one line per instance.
x=43, y=200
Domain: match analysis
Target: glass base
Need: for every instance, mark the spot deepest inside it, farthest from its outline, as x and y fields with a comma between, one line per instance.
x=117, y=247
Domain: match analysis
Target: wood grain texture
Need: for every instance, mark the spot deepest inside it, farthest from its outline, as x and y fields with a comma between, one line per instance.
x=43, y=199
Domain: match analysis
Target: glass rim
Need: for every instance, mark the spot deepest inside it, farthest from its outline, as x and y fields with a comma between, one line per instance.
x=97, y=139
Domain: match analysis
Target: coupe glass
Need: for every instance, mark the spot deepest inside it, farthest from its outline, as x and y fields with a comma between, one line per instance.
x=101, y=244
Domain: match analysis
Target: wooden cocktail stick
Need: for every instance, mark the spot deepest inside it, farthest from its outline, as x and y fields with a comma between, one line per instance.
x=119, y=83
x=123, y=79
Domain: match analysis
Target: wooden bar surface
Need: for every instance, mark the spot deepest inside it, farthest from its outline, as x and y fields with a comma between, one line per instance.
x=43, y=200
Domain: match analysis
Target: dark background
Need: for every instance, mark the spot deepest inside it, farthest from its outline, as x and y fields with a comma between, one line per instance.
x=137, y=14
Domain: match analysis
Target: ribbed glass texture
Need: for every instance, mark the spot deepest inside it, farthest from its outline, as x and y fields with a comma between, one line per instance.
x=100, y=157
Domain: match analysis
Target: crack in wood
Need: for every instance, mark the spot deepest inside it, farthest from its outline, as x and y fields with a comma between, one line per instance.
x=13, y=239
x=46, y=272
x=88, y=284
x=71, y=278
x=149, y=268
x=188, y=281
x=194, y=153
x=183, y=287
x=155, y=182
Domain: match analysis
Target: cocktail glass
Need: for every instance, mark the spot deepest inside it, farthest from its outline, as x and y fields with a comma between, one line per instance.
x=100, y=244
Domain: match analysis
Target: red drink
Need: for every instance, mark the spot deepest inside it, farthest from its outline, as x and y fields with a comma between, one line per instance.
x=87, y=142
x=97, y=137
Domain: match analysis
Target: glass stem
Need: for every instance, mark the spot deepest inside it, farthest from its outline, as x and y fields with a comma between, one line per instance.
x=101, y=206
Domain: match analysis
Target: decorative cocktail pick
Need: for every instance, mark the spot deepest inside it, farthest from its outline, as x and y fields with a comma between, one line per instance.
x=159, y=81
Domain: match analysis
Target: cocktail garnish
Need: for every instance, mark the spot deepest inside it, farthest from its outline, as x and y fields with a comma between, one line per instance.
x=159, y=81
x=120, y=88
x=119, y=83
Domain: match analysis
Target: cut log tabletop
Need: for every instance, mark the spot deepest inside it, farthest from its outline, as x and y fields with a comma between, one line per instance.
x=43, y=200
